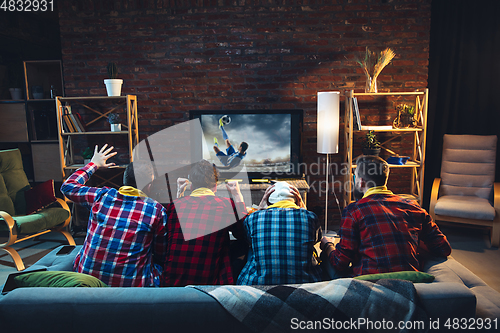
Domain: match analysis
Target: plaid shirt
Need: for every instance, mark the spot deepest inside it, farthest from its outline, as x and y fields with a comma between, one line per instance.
x=205, y=259
x=123, y=233
x=381, y=233
x=282, y=241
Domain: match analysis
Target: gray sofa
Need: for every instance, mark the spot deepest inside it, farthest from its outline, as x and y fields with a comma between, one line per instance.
x=456, y=293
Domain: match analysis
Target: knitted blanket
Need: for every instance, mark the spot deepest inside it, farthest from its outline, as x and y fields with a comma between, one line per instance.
x=339, y=305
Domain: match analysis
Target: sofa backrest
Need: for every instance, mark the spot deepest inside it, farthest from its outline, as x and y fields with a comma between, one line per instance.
x=13, y=182
x=468, y=165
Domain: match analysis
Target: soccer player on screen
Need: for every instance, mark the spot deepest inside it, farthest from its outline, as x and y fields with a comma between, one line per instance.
x=231, y=158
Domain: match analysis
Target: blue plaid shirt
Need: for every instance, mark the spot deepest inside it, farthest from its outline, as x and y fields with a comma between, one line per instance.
x=282, y=241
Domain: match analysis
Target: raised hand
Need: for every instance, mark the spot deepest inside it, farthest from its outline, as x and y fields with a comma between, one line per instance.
x=101, y=156
x=298, y=198
x=182, y=185
x=263, y=202
x=234, y=188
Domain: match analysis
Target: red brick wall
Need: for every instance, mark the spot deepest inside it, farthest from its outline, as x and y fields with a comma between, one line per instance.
x=242, y=54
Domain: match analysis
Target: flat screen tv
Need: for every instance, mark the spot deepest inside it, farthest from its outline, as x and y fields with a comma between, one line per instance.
x=273, y=138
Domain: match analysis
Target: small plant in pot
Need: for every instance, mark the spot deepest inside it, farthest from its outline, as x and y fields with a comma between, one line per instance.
x=114, y=121
x=113, y=85
x=405, y=117
x=87, y=155
x=371, y=145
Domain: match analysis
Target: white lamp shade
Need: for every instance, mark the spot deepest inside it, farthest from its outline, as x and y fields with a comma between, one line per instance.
x=328, y=122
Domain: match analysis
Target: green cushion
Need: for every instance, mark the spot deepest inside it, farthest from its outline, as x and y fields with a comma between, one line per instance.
x=6, y=203
x=57, y=279
x=413, y=276
x=11, y=168
x=20, y=201
x=44, y=219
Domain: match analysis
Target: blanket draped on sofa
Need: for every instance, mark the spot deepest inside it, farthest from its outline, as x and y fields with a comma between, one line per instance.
x=345, y=304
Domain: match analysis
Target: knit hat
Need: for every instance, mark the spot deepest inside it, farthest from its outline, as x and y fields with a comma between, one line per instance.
x=282, y=191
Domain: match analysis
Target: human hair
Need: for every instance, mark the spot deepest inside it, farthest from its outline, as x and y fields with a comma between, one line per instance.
x=133, y=171
x=203, y=174
x=373, y=169
x=244, y=147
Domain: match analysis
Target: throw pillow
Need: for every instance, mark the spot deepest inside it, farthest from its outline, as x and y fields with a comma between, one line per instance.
x=57, y=279
x=413, y=276
x=40, y=196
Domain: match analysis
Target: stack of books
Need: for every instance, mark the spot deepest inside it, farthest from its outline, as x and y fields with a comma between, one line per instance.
x=72, y=122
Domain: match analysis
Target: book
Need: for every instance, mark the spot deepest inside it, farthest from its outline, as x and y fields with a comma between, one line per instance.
x=67, y=120
x=64, y=126
x=80, y=122
x=357, y=119
x=75, y=123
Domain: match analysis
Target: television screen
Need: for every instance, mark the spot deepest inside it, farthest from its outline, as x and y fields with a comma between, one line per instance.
x=266, y=142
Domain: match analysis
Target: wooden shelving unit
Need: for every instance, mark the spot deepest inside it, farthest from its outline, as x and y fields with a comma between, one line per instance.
x=99, y=107
x=31, y=122
x=416, y=163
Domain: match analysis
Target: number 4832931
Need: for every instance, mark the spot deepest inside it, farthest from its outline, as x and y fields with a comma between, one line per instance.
x=27, y=5
x=471, y=324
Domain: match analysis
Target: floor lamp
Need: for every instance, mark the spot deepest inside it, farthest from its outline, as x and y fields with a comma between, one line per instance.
x=328, y=132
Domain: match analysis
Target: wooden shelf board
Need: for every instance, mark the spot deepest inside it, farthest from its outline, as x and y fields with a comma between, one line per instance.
x=94, y=133
x=409, y=164
x=78, y=166
x=381, y=129
x=89, y=98
x=396, y=93
x=45, y=141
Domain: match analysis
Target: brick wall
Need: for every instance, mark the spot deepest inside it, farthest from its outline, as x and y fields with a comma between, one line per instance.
x=246, y=54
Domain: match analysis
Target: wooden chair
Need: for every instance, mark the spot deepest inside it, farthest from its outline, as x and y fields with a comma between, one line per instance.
x=467, y=192
x=17, y=197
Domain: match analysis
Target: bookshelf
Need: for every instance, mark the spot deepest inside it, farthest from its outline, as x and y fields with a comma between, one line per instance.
x=92, y=129
x=416, y=163
x=31, y=122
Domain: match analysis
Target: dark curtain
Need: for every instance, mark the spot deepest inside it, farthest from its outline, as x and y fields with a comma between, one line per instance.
x=464, y=76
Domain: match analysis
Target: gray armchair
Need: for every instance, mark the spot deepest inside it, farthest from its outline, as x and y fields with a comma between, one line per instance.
x=467, y=192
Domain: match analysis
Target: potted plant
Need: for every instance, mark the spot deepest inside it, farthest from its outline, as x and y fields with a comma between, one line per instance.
x=371, y=145
x=114, y=120
x=405, y=117
x=113, y=85
x=87, y=155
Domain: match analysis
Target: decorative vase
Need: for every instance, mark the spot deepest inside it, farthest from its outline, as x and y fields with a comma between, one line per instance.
x=16, y=93
x=114, y=86
x=116, y=127
x=371, y=85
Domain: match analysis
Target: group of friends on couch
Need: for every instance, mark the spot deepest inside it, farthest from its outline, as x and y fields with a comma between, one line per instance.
x=134, y=241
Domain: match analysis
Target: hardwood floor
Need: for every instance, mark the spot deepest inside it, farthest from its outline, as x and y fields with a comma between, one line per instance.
x=471, y=247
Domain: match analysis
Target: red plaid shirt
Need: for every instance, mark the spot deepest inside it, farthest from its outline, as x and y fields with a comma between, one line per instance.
x=381, y=233
x=203, y=260
x=124, y=232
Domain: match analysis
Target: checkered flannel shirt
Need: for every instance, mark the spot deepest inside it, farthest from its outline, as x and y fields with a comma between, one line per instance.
x=282, y=241
x=381, y=233
x=205, y=259
x=123, y=233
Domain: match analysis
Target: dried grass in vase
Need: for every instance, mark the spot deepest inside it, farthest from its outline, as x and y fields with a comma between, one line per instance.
x=372, y=64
